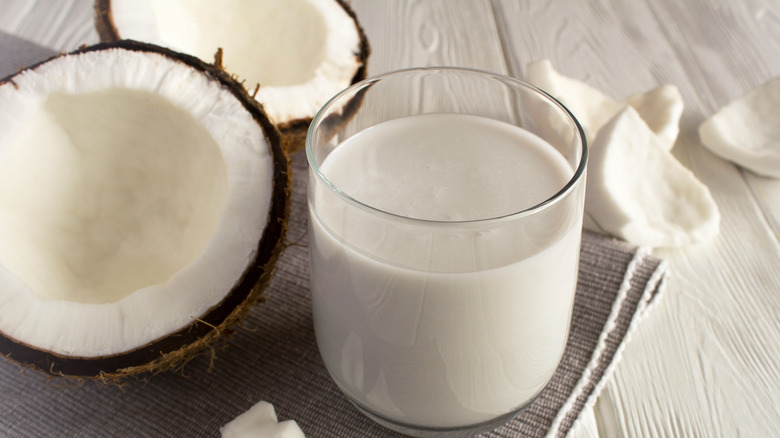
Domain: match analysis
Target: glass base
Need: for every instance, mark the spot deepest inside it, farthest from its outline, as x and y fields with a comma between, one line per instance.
x=418, y=431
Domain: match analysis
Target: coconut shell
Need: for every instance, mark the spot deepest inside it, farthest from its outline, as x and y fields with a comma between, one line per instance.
x=294, y=131
x=176, y=349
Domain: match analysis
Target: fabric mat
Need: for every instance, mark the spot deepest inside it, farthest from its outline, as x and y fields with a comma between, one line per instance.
x=273, y=357
x=16, y=53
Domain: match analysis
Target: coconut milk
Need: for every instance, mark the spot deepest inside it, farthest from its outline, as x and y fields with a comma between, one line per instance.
x=435, y=322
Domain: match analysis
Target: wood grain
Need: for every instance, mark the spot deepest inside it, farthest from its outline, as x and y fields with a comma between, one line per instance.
x=701, y=364
x=405, y=34
x=718, y=374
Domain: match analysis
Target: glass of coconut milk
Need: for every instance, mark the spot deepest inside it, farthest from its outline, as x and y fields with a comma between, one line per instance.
x=445, y=216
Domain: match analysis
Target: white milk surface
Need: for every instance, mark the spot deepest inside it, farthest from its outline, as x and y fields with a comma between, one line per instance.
x=435, y=324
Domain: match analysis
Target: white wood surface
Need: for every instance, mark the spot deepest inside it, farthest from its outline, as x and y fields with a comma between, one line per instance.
x=706, y=361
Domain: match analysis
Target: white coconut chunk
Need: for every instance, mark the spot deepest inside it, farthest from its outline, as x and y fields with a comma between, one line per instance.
x=300, y=52
x=591, y=107
x=661, y=108
x=133, y=192
x=638, y=191
x=747, y=131
x=260, y=422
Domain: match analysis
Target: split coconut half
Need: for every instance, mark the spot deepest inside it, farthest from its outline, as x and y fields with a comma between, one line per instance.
x=143, y=202
x=299, y=53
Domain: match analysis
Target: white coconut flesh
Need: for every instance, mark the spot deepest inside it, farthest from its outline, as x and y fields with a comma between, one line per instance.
x=300, y=52
x=133, y=193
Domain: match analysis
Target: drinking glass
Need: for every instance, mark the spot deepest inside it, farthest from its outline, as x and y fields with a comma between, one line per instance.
x=445, y=217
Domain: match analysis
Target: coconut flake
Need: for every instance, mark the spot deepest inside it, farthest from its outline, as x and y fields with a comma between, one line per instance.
x=260, y=422
x=644, y=196
x=638, y=191
x=591, y=107
x=661, y=107
x=747, y=132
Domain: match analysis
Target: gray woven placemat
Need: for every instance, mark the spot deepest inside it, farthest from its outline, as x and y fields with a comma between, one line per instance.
x=274, y=356
x=16, y=53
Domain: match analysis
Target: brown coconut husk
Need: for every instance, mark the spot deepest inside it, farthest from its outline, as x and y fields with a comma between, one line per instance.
x=176, y=349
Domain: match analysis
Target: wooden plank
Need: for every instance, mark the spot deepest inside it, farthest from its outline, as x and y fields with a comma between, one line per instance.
x=405, y=34
x=429, y=33
x=732, y=64
x=591, y=41
x=700, y=364
x=729, y=297
x=728, y=51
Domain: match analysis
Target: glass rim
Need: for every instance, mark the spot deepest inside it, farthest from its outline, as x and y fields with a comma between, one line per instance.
x=323, y=112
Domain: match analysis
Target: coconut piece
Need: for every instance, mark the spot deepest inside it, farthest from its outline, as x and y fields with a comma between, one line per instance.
x=746, y=131
x=143, y=202
x=591, y=107
x=660, y=107
x=638, y=191
x=260, y=422
x=299, y=53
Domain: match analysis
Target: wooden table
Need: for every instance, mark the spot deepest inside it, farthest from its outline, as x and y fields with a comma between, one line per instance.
x=706, y=361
